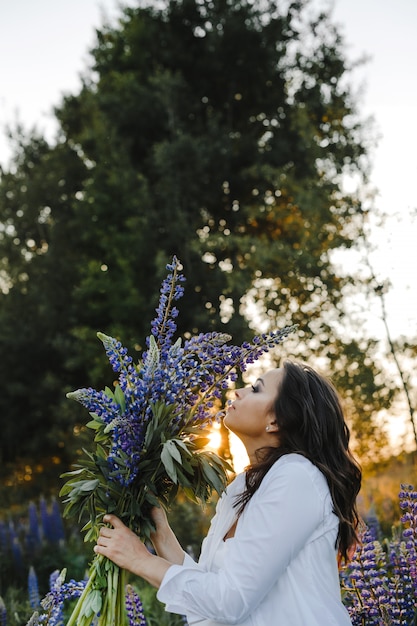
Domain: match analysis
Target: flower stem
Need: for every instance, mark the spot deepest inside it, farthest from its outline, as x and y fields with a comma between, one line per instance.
x=92, y=575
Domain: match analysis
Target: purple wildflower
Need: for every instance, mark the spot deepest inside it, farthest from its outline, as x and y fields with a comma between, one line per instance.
x=56, y=526
x=163, y=326
x=134, y=608
x=380, y=583
x=190, y=380
x=60, y=591
x=15, y=547
x=33, y=537
x=45, y=519
x=97, y=402
x=33, y=587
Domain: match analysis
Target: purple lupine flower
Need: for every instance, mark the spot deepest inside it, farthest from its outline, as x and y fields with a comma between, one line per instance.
x=400, y=585
x=379, y=584
x=134, y=608
x=116, y=353
x=33, y=535
x=367, y=574
x=408, y=504
x=163, y=326
x=56, y=526
x=3, y=613
x=374, y=527
x=16, y=548
x=54, y=600
x=45, y=521
x=189, y=380
x=97, y=402
x=33, y=588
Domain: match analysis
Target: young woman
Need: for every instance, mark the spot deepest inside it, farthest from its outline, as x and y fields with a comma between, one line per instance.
x=271, y=554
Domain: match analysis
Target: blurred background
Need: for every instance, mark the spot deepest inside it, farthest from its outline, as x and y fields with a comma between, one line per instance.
x=269, y=145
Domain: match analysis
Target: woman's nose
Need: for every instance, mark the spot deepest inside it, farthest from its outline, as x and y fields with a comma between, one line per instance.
x=238, y=393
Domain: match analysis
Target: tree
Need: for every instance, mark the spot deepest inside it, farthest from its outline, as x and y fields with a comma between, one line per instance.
x=213, y=129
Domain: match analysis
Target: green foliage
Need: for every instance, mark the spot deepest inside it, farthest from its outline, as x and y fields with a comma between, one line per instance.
x=22, y=547
x=167, y=463
x=18, y=610
x=218, y=131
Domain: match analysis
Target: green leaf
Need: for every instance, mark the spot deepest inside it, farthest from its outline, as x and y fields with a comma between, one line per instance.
x=152, y=359
x=212, y=476
x=109, y=393
x=168, y=462
x=171, y=445
x=94, y=424
x=119, y=397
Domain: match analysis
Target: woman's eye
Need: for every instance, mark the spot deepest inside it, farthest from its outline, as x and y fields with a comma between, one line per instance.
x=255, y=389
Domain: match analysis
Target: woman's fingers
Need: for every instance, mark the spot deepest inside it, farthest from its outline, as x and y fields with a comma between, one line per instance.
x=159, y=517
x=113, y=520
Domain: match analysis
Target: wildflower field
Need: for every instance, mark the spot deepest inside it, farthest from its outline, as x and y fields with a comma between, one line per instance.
x=378, y=586
x=37, y=545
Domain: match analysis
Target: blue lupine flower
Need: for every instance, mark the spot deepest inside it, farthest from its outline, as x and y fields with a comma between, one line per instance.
x=191, y=379
x=54, y=600
x=56, y=526
x=16, y=548
x=33, y=536
x=33, y=587
x=45, y=521
x=134, y=608
x=380, y=584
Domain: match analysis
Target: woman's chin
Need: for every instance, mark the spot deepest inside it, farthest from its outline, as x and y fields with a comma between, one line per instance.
x=226, y=422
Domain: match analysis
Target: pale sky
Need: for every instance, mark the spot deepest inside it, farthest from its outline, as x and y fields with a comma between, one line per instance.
x=44, y=48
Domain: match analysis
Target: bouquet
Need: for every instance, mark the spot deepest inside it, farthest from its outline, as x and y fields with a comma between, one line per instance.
x=150, y=438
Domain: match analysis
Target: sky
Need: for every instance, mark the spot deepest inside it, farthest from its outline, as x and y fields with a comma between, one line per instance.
x=44, y=48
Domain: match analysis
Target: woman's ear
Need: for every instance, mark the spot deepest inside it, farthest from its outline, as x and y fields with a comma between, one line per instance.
x=272, y=427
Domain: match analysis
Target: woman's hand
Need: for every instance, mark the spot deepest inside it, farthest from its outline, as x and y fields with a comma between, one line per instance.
x=163, y=538
x=119, y=544
x=162, y=527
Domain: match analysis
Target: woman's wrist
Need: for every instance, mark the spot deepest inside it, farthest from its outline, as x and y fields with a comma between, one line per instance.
x=168, y=547
x=152, y=569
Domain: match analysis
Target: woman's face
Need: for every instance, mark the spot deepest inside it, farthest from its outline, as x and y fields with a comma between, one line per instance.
x=251, y=416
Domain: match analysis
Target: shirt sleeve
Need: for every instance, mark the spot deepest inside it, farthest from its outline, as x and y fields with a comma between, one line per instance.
x=276, y=524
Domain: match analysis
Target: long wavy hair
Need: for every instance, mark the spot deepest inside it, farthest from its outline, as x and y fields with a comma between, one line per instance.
x=311, y=423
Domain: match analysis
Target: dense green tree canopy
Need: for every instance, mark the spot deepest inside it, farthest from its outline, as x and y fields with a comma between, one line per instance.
x=216, y=130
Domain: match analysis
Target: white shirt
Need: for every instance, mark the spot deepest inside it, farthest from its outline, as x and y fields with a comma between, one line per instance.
x=279, y=569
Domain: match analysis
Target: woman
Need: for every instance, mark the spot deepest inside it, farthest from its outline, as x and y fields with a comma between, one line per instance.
x=270, y=557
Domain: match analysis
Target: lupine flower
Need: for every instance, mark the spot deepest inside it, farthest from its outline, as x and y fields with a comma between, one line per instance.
x=149, y=434
x=379, y=585
x=45, y=521
x=33, y=587
x=33, y=537
x=15, y=547
x=373, y=524
x=56, y=526
x=53, y=602
x=134, y=608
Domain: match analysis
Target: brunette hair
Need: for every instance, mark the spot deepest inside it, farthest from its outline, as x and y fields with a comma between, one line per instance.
x=311, y=423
